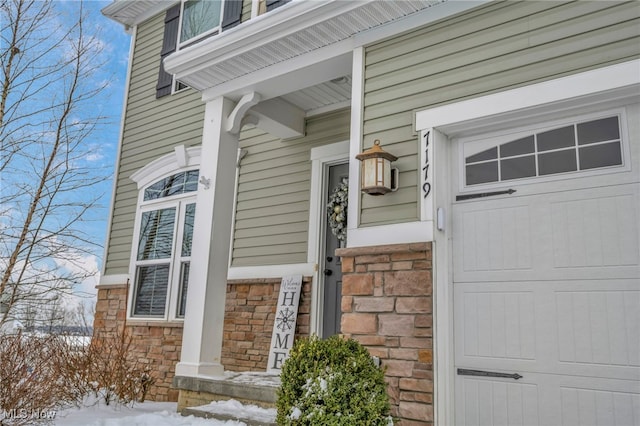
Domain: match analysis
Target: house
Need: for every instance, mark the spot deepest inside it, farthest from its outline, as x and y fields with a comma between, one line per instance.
x=499, y=283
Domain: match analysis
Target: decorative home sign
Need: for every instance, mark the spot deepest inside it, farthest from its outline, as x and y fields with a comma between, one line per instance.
x=284, y=326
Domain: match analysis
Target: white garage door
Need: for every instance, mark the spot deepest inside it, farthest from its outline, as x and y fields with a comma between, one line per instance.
x=547, y=279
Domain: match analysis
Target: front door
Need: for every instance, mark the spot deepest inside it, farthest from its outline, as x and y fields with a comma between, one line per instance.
x=331, y=265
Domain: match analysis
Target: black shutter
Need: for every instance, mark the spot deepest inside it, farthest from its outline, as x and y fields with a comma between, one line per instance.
x=169, y=43
x=272, y=4
x=232, y=14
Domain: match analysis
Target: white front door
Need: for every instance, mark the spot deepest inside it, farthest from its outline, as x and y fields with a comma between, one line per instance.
x=546, y=284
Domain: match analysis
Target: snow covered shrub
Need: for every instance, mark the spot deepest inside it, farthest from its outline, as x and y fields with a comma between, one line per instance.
x=331, y=382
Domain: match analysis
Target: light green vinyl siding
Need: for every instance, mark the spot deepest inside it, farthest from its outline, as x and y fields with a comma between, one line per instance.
x=246, y=10
x=496, y=47
x=150, y=131
x=272, y=211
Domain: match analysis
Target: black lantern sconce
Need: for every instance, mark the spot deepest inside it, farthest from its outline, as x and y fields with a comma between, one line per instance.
x=376, y=175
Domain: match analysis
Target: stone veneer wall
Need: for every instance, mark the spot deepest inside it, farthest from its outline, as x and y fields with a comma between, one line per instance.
x=250, y=311
x=249, y=315
x=156, y=344
x=386, y=305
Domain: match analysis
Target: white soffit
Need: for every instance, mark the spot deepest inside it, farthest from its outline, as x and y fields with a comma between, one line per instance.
x=337, y=91
x=297, y=28
x=132, y=12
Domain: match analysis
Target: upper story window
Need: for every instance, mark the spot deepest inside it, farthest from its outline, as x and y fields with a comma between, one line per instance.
x=580, y=146
x=162, y=250
x=199, y=19
x=191, y=21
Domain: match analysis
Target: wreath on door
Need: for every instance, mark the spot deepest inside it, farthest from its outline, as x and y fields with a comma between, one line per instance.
x=337, y=210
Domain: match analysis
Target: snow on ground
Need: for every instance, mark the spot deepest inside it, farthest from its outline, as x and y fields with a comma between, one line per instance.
x=240, y=411
x=141, y=414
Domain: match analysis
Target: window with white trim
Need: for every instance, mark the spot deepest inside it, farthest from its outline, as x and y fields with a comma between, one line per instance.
x=573, y=147
x=162, y=251
x=199, y=18
x=189, y=22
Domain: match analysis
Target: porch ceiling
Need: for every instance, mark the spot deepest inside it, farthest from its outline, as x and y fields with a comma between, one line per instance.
x=331, y=94
x=296, y=36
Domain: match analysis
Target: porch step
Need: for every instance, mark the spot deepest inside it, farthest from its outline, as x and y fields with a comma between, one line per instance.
x=232, y=409
x=249, y=397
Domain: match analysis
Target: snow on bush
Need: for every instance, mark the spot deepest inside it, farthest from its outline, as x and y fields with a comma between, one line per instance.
x=332, y=382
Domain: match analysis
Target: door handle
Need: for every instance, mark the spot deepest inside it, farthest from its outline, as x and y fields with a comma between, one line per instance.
x=483, y=194
x=328, y=272
x=466, y=372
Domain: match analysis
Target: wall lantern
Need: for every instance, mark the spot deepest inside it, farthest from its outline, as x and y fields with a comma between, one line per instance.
x=377, y=176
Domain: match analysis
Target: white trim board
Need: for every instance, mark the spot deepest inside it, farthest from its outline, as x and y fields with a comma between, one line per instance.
x=399, y=233
x=321, y=157
x=355, y=142
x=173, y=162
x=114, y=279
x=270, y=271
x=116, y=168
x=533, y=99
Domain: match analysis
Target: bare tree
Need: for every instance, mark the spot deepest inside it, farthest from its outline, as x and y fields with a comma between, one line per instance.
x=47, y=181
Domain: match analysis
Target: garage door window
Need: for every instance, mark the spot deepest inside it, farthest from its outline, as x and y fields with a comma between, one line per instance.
x=576, y=147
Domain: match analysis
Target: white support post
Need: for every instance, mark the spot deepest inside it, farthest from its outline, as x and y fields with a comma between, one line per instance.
x=355, y=143
x=204, y=317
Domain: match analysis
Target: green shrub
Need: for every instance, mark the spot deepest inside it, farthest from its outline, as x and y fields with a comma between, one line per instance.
x=331, y=382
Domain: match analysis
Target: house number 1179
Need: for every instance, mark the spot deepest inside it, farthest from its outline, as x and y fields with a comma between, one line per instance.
x=426, y=185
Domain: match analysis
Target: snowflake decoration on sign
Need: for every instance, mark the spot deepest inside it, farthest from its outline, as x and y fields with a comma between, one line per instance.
x=337, y=210
x=284, y=320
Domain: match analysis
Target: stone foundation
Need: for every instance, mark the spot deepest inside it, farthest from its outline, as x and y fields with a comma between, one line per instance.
x=386, y=305
x=250, y=311
x=249, y=315
x=156, y=344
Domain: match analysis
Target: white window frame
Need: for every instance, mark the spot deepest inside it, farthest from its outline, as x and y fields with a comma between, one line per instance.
x=179, y=202
x=181, y=160
x=182, y=44
x=174, y=86
x=495, y=139
x=217, y=29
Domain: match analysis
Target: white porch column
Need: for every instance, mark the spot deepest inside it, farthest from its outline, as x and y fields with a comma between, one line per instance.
x=204, y=316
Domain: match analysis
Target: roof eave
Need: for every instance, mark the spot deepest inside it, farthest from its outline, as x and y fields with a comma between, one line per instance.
x=195, y=64
x=132, y=12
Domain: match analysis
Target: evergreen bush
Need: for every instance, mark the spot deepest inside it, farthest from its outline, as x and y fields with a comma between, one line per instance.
x=331, y=382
